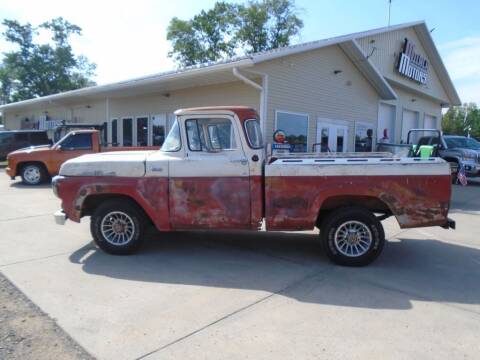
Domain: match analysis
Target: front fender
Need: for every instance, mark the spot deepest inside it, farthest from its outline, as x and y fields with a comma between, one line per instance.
x=151, y=194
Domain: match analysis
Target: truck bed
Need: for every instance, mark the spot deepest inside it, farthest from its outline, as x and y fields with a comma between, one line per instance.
x=415, y=190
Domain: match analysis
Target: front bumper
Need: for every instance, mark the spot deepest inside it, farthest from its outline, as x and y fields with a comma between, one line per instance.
x=471, y=168
x=10, y=172
x=60, y=217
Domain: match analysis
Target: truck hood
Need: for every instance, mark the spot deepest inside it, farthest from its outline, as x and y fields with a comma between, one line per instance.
x=31, y=149
x=117, y=163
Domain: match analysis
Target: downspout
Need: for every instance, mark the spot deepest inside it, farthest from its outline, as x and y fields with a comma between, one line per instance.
x=263, y=94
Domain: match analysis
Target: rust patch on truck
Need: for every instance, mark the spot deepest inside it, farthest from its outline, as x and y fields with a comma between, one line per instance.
x=414, y=200
x=210, y=202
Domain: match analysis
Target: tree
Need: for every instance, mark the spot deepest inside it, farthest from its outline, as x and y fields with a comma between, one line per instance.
x=34, y=70
x=206, y=37
x=233, y=29
x=454, y=122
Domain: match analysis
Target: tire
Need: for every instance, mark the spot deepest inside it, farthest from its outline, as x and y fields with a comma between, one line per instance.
x=33, y=174
x=116, y=217
x=454, y=166
x=365, y=244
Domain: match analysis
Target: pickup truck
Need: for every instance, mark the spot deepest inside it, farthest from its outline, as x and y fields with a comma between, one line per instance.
x=213, y=172
x=36, y=164
x=458, y=151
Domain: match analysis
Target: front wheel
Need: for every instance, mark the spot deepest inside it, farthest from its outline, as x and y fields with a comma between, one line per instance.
x=352, y=236
x=33, y=174
x=118, y=227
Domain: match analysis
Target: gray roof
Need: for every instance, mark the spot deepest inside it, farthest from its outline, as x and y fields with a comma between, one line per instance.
x=347, y=42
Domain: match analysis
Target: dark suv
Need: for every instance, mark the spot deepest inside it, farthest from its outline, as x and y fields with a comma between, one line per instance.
x=18, y=139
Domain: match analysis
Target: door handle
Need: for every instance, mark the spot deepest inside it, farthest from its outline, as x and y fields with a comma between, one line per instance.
x=239, y=161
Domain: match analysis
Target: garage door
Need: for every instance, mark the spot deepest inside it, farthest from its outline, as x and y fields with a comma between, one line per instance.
x=409, y=121
x=430, y=122
x=386, y=123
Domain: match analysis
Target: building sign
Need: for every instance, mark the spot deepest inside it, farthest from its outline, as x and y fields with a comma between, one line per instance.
x=411, y=64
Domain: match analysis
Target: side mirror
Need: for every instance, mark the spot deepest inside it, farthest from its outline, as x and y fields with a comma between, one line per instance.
x=59, y=147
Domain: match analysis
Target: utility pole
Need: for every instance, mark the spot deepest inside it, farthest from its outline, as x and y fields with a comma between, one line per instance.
x=389, y=10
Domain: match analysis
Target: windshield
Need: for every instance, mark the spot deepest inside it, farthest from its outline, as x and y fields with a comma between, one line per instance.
x=463, y=142
x=173, y=141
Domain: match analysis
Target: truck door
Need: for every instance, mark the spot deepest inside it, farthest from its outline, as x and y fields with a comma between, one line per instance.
x=74, y=145
x=210, y=187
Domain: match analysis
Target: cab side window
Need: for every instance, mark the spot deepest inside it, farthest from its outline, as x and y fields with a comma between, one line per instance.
x=210, y=134
x=77, y=142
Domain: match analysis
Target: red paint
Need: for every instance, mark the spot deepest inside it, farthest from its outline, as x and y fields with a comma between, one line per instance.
x=293, y=203
x=210, y=202
x=151, y=194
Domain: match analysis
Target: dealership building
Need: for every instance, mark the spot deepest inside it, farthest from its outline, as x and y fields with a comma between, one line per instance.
x=331, y=91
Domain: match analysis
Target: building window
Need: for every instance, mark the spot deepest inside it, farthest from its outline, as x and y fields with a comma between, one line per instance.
x=114, y=132
x=142, y=131
x=364, y=137
x=295, y=127
x=127, y=128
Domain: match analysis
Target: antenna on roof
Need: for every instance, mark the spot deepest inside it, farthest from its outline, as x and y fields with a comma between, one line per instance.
x=389, y=10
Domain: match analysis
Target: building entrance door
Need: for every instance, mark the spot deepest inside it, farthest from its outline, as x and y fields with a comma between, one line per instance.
x=331, y=137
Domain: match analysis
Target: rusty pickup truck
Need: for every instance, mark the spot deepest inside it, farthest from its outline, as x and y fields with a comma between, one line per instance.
x=36, y=164
x=213, y=172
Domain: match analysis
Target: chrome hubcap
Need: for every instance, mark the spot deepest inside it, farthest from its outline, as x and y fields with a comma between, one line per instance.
x=353, y=238
x=117, y=228
x=32, y=174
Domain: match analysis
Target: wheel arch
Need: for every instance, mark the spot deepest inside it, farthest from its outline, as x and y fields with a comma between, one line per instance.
x=92, y=201
x=24, y=163
x=371, y=203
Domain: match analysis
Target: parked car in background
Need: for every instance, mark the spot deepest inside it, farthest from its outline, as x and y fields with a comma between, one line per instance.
x=457, y=150
x=18, y=139
x=35, y=165
x=463, y=150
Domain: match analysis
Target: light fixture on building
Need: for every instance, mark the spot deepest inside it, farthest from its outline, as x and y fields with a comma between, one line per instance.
x=413, y=100
x=336, y=72
x=88, y=106
x=167, y=94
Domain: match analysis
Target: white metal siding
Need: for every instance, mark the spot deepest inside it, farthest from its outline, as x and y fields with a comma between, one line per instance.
x=306, y=83
x=385, y=49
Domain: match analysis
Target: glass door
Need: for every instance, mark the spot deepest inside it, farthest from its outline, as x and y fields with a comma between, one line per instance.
x=127, y=132
x=158, y=129
x=141, y=131
x=331, y=137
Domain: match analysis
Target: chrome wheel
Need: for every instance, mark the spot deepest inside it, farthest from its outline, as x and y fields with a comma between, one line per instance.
x=117, y=228
x=32, y=174
x=353, y=238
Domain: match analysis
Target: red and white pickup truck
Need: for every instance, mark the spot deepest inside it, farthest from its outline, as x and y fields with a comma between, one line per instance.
x=212, y=172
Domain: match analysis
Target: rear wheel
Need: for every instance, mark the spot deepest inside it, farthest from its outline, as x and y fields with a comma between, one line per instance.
x=33, y=174
x=352, y=236
x=118, y=227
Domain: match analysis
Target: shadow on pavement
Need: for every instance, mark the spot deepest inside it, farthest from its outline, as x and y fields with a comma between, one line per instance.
x=20, y=185
x=294, y=266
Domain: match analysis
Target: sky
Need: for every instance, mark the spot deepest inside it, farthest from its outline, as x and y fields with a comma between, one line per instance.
x=127, y=39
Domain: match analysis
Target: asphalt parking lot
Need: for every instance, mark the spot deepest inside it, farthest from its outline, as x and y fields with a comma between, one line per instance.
x=198, y=295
